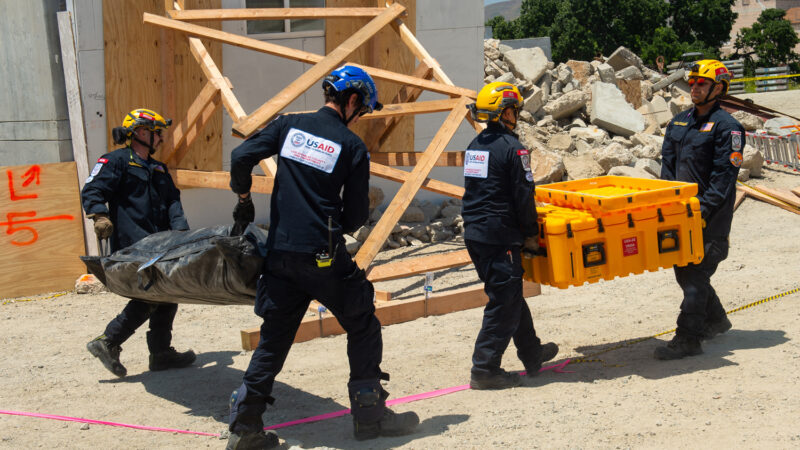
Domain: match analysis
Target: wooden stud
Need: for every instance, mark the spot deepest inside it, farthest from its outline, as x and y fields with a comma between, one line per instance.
x=218, y=180
x=740, y=195
x=429, y=184
x=197, y=15
x=768, y=199
x=410, y=187
x=784, y=196
x=422, y=264
x=446, y=159
x=420, y=52
x=299, y=55
x=796, y=191
x=215, y=77
x=383, y=296
x=268, y=110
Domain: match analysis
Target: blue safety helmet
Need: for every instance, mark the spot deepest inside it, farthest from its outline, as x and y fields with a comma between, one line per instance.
x=351, y=78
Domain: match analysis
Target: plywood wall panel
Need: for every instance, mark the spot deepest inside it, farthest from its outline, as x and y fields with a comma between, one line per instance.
x=385, y=51
x=42, y=229
x=136, y=76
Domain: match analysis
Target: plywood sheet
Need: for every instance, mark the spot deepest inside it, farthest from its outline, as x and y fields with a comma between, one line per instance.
x=384, y=51
x=136, y=76
x=42, y=236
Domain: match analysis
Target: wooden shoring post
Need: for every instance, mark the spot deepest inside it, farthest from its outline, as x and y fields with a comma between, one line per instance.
x=395, y=110
x=300, y=55
x=178, y=136
x=410, y=187
x=268, y=110
x=377, y=135
x=214, y=76
x=429, y=184
x=446, y=159
x=196, y=15
x=218, y=180
x=422, y=264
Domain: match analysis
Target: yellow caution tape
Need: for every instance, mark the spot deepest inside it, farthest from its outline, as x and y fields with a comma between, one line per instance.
x=20, y=300
x=591, y=358
x=772, y=77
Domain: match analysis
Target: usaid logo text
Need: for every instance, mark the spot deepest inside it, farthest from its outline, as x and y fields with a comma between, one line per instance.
x=320, y=146
x=476, y=158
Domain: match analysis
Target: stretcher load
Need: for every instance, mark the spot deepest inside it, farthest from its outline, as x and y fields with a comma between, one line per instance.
x=204, y=266
x=607, y=227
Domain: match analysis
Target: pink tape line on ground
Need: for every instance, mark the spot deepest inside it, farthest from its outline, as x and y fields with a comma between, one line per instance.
x=100, y=422
x=556, y=368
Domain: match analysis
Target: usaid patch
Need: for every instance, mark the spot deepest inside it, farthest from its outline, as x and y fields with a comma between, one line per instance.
x=311, y=150
x=736, y=140
x=476, y=163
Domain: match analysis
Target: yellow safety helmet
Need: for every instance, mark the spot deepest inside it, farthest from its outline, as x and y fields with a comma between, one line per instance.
x=140, y=117
x=713, y=70
x=493, y=99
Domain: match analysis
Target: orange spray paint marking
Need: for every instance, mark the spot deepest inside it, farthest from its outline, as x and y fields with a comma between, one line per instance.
x=32, y=174
x=13, y=226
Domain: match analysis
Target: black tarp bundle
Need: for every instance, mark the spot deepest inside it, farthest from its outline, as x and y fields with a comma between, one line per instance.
x=205, y=266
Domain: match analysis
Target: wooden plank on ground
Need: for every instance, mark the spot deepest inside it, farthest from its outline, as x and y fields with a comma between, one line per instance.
x=42, y=238
x=740, y=195
x=766, y=198
x=218, y=180
x=268, y=110
x=75, y=108
x=785, y=196
x=796, y=191
x=422, y=264
x=410, y=187
x=274, y=13
x=446, y=159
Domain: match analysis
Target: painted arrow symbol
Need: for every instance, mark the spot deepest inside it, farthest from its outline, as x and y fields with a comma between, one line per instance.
x=32, y=174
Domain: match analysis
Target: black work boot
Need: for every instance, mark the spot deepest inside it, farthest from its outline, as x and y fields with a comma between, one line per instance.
x=549, y=351
x=108, y=354
x=171, y=359
x=498, y=380
x=716, y=327
x=679, y=347
x=391, y=424
x=258, y=440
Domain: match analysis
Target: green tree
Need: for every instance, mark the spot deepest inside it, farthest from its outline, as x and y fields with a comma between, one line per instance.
x=703, y=23
x=771, y=40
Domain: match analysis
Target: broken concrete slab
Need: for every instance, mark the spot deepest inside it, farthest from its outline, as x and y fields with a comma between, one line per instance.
x=612, y=112
x=679, y=104
x=622, y=58
x=629, y=73
x=592, y=134
x=658, y=108
x=527, y=63
x=648, y=165
x=615, y=154
x=534, y=101
x=606, y=73
x=632, y=90
x=753, y=161
x=582, y=166
x=565, y=105
x=561, y=142
x=581, y=70
x=750, y=122
x=625, y=171
x=547, y=166
x=775, y=126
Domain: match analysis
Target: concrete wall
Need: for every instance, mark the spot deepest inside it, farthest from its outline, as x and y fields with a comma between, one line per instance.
x=34, y=126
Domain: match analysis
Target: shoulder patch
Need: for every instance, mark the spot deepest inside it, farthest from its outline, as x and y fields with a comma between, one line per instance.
x=159, y=168
x=736, y=159
x=525, y=159
x=736, y=140
x=96, y=169
x=102, y=160
x=680, y=124
x=310, y=150
x=708, y=126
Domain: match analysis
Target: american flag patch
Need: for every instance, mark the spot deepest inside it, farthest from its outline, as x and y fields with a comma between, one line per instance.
x=707, y=126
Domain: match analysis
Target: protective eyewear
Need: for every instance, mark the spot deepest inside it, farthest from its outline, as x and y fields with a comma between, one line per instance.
x=698, y=81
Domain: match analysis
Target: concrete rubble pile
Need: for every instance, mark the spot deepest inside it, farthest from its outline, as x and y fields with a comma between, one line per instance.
x=580, y=119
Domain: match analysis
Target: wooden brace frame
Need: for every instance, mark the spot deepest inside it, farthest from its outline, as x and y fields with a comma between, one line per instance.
x=428, y=75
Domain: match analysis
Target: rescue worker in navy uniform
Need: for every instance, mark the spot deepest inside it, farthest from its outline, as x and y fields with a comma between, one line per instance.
x=704, y=145
x=320, y=192
x=142, y=200
x=499, y=214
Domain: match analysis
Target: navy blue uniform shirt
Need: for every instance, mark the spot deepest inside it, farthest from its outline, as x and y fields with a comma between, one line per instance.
x=707, y=151
x=142, y=198
x=323, y=171
x=498, y=206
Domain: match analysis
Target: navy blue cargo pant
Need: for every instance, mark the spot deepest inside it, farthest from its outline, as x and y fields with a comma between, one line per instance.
x=701, y=304
x=136, y=312
x=506, y=316
x=289, y=282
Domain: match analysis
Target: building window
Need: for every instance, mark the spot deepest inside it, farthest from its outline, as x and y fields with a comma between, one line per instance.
x=292, y=27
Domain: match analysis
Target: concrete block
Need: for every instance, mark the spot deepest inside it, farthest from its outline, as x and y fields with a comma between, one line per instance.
x=582, y=166
x=629, y=73
x=750, y=122
x=561, y=143
x=613, y=155
x=648, y=165
x=565, y=105
x=680, y=103
x=592, y=134
x=658, y=109
x=527, y=63
x=622, y=58
x=534, y=101
x=625, y=171
x=753, y=161
x=612, y=112
x=773, y=126
x=581, y=70
x=606, y=73
x=547, y=167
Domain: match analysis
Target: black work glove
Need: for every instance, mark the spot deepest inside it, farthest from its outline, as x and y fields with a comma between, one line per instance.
x=243, y=214
x=530, y=247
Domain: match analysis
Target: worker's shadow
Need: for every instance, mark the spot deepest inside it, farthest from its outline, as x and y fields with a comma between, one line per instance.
x=637, y=357
x=204, y=389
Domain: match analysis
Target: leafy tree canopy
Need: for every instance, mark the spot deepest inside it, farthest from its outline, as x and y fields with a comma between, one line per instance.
x=770, y=41
x=707, y=21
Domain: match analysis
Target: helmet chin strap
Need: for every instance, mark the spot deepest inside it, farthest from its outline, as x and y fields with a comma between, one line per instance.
x=510, y=125
x=150, y=147
x=708, y=100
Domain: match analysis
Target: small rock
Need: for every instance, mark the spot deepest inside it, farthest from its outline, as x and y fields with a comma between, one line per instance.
x=84, y=427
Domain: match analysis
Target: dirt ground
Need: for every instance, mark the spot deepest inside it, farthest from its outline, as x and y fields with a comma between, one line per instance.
x=740, y=393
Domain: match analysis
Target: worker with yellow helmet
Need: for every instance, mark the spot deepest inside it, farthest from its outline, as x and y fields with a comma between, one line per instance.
x=130, y=195
x=499, y=223
x=704, y=145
